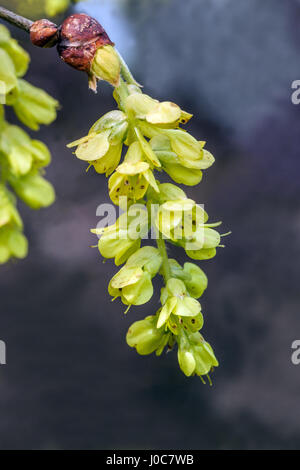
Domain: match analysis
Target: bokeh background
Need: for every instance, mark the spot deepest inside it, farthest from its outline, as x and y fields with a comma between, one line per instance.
x=71, y=381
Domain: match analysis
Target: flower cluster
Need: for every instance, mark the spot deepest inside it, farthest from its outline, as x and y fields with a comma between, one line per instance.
x=22, y=159
x=132, y=145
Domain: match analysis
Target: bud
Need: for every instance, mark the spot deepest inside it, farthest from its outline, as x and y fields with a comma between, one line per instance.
x=197, y=283
x=83, y=45
x=204, y=355
x=186, y=361
x=44, y=33
x=105, y=66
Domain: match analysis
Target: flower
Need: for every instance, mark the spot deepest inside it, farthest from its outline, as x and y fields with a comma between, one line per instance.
x=22, y=153
x=172, y=164
x=8, y=78
x=12, y=241
x=34, y=190
x=17, y=54
x=102, y=147
x=195, y=355
x=184, y=223
x=34, y=106
x=180, y=154
x=123, y=238
x=176, y=301
x=193, y=277
x=132, y=178
x=145, y=108
x=133, y=282
x=146, y=338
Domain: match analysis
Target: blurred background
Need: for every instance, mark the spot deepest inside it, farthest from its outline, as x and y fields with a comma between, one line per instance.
x=71, y=382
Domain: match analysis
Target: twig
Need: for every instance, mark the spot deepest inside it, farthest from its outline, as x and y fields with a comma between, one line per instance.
x=15, y=19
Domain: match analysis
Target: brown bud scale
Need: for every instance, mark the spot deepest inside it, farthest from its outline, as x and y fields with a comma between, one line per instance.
x=44, y=33
x=79, y=38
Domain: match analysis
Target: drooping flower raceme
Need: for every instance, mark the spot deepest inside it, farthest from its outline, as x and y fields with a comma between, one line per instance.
x=132, y=145
x=22, y=159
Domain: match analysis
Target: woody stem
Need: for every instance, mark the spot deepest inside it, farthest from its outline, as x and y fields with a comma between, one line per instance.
x=15, y=19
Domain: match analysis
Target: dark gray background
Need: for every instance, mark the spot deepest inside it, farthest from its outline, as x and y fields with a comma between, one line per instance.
x=71, y=381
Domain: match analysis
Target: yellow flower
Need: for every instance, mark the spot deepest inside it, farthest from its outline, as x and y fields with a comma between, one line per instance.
x=123, y=238
x=177, y=302
x=132, y=178
x=165, y=114
x=102, y=147
x=133, y=282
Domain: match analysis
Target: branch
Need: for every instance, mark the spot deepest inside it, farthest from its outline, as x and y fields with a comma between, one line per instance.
x=77, y=39
x=15, y=19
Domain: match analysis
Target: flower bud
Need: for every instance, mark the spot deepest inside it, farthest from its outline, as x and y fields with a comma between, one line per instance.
x=83, y=44
x=44, y=33
x=186, y=362
x=106, y=66
x=204, y=355
x=197, y=283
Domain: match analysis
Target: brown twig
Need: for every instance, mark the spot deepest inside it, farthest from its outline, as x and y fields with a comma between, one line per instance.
x=15, y=19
